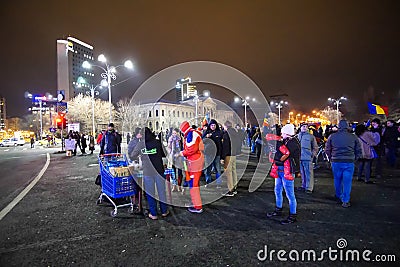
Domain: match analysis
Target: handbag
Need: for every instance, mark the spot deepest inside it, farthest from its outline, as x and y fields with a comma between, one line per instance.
x=372, y=151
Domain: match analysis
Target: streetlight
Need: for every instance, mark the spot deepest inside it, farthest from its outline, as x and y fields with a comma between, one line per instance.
x=337, y=103
x=39, y=99
x=279, y=105
x=92, y=94
x=245, y=103
x=108, y=73
x=206, y=93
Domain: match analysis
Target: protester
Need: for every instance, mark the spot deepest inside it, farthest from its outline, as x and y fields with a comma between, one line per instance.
x=151, y=151
x=231, y=147
x=213, y=156
x=100, y=137
x=111, y=141
x=257, y=141
x=309, y=149
x=342, y=149
x=192, y=151
x=174, y=147
x=83, y=144
x=91, y=144
x=283, y=170
x=131, y=146
x=128, y=138
x=367, y=140
x=376, y=127
x=390, y=139
x=32, y=142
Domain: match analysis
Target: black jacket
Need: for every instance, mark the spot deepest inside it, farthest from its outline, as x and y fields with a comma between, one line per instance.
x=231, y=143
x=152, y=152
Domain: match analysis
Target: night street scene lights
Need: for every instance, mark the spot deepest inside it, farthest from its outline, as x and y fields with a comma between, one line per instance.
x=279, y=105
x=40, y=99
x=81, y=81
x=245, y=103
x=108, y=74
x=337, y=103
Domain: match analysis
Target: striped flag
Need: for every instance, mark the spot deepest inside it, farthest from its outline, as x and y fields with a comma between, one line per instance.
x=378, y=109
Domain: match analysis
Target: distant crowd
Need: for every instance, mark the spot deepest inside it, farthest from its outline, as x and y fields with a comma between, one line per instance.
x=191, y=153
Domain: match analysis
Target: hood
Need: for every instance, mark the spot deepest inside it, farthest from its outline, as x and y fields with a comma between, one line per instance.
x=343, y=125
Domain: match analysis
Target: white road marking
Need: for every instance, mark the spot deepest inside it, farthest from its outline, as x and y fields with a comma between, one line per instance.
x=15, y=157
x=6, y=150
x=21, y=195
x=94, y=164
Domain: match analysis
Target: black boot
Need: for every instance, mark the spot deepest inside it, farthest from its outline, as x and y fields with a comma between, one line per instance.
x=276, y=212
x=290, y=219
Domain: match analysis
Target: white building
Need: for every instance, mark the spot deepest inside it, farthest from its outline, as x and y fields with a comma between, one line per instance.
x=164, y=114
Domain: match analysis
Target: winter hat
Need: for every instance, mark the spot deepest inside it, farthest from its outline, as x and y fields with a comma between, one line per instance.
x=111, y=124
x=343, y=124
x=288, y=129
x=185, y=126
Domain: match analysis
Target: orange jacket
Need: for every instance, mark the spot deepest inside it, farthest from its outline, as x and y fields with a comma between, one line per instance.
x=193, y=148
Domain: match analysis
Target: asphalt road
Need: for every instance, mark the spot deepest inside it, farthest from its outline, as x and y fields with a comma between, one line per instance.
x=18, y=166
x=59, y=224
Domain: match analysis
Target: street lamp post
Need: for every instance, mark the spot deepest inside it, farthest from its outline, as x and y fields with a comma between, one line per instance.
x=245, y=103
x=108, y=74
x=93, y=92
x=196, y=101
x=337, y=103
x=279, y=105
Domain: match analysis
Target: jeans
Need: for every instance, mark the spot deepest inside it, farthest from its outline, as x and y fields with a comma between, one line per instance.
x=280, y=184
x=367, y=163
x=343, y=176
x=216, y=163
x=150, y=182
x=307, y=174
x=391, y=156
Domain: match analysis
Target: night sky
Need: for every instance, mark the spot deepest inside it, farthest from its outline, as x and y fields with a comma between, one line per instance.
x=310, y=50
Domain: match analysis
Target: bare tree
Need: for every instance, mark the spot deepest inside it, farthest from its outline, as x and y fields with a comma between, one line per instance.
x=80, y=111
x=128, y=114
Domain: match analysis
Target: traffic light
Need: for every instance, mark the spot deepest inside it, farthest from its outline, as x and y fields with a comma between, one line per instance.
x=61, y=121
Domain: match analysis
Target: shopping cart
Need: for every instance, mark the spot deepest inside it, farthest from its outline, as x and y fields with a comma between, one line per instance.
x=117, y=181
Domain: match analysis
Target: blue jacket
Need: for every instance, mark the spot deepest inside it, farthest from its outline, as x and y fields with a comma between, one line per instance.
x=110, y=143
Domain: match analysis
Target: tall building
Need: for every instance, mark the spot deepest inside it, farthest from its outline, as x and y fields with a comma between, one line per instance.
x=3, y=113
x=184, y=89
x=71, y=53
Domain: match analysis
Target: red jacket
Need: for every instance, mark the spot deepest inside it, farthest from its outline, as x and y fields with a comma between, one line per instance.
x=193, y=148
x=285, y=154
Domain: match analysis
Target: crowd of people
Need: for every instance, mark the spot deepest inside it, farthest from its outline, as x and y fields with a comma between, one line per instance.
x=201, y=155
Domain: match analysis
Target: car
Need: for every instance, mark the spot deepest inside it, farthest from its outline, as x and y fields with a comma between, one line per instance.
x=8, y=142
x=20, y=141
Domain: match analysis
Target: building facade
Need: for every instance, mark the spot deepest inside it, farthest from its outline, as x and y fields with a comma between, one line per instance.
x=71, y=53
x=163, y=114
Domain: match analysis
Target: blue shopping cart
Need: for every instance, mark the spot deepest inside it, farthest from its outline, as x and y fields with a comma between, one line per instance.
x=117, y=181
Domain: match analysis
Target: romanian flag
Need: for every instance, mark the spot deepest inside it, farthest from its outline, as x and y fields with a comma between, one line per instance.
x=206, y=120
x=377, y=109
